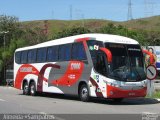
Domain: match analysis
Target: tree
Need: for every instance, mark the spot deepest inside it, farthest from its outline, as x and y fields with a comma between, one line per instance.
x=71, y=32
x=123, y=31
x=11, y=24
x=13, y=40
x=33, y=35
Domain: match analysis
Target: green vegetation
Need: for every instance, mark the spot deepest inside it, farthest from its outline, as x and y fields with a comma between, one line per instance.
x=156, y=94
x=13, y=35
x=146, y=31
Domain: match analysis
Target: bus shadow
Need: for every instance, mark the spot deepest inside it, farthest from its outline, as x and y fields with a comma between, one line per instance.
x=56, y=96
x=127, y=101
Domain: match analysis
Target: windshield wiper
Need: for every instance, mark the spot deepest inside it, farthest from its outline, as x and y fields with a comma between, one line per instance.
x=139, y=76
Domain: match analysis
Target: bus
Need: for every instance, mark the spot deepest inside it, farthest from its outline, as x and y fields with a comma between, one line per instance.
x=86, y=65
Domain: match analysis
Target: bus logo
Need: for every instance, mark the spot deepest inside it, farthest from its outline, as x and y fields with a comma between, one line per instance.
x=95, y=47
x=26, y=69
x=75, y=66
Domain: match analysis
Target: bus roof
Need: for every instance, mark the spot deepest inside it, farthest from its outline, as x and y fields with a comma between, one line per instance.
x=96, y=36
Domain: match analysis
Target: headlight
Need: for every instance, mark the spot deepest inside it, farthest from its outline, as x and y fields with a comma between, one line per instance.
x=111, y=84
x=144, y=84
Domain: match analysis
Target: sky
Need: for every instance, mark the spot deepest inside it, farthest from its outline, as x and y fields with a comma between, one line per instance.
x=116, y=10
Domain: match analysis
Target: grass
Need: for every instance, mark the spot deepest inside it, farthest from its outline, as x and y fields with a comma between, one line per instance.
x=149, y=24
x=156, y=94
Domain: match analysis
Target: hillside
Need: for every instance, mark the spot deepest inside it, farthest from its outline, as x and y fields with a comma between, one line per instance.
x=54, y=26
x=150, y=24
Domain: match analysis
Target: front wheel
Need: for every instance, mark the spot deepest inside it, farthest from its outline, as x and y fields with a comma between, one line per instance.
x=84, y=93
x=32, y=89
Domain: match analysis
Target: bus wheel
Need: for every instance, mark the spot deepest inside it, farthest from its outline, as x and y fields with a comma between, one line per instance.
x=84, y=93
x=32, y=89
x=25, y=89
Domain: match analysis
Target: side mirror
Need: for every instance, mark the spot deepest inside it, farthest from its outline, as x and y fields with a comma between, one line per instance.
x=108, y=54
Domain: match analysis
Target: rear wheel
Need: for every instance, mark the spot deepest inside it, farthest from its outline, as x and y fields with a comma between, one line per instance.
x=84, y=93
x=25, y=89
x=32, y=89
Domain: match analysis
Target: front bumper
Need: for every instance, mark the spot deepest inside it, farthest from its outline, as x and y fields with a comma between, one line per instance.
x=115, y=92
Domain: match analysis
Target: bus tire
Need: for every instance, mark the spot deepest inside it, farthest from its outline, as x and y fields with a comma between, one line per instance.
x=25, y=88
x=84, y=93
x=32, y=89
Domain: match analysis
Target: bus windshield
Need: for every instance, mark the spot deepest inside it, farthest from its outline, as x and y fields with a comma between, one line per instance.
x=127, y=63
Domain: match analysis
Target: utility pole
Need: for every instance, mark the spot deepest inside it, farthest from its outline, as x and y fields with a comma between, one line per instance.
x=4, y=45
x=70, y=12
x=149, y=8
x=129, y=16
x=53, y=15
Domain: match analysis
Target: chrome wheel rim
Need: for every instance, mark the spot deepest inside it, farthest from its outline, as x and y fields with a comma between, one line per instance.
x=32, y=89
x=26, y=88
x=84, y=92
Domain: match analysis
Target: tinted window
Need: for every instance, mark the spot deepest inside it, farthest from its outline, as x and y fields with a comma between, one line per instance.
x=93, y=47
x=117, y=49
x=78, y=52
x=18, y=57
x=41, y=55
x=24, y=57
x=52, y=53
x=65, y=52
x=32, y=56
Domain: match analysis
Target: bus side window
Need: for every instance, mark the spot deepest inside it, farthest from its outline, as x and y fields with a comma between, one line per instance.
x=41, y=54
x=65, y=52
x=24, y=57
x=18, y=57
x=52, y=54
x=32, y=56
x=78, y=52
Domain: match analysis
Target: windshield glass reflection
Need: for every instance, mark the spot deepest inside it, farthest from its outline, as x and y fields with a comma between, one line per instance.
x=127, y=63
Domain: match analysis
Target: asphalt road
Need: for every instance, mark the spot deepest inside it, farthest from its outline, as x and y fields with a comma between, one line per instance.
x=12, y=101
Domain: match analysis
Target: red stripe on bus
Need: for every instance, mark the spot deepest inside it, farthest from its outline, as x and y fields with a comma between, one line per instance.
x=22, y=72
x=72, y=74
x=82, y=39
x=98, y=94
x=41, y=74
x=27, y=69
x=114, y=92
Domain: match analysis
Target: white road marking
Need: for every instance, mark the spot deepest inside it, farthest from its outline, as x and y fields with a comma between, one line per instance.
x=2, y=100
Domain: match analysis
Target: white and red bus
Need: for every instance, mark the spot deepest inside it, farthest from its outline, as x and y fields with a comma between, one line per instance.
x=87, y=65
